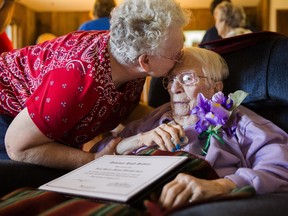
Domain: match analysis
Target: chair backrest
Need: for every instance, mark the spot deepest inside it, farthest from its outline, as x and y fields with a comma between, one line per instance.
x=257, y=64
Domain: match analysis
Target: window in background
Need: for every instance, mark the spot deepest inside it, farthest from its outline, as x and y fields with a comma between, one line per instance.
x=193, y=38
x=12, y=32
x=9, y=32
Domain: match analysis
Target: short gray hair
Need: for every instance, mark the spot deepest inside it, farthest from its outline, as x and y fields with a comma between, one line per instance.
x=213, y=65
x=141, y=27
x=232, y=15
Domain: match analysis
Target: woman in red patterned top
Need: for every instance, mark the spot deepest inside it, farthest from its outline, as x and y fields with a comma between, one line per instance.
x=62, y=93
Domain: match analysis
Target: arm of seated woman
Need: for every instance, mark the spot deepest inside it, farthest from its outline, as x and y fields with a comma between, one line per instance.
x=186, y=188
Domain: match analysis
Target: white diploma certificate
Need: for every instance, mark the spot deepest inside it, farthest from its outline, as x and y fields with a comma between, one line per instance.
x=115, y=177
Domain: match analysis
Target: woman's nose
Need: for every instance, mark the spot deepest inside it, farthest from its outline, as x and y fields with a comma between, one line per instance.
x=176, y=87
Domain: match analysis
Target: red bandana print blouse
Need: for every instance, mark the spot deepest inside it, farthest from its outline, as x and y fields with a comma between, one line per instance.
x=67, y=87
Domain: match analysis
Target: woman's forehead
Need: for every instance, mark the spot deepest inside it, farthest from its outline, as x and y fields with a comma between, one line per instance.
x=188, y=64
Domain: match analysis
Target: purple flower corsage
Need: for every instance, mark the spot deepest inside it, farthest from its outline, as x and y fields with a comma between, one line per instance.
x=215, y=113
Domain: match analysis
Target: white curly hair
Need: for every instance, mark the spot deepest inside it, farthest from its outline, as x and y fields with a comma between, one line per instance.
x=141, y=27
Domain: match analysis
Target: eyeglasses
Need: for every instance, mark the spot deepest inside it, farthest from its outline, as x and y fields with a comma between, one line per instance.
x=178, y=57
x=188, y=78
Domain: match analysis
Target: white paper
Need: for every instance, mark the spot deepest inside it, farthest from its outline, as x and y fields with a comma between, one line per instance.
x=114, y=177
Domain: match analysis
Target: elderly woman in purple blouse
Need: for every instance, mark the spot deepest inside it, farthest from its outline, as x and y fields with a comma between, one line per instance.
x=244, y=148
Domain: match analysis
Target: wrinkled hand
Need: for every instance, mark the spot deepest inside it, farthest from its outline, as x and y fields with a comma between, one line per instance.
x=186, y=188
x=109, y=148
x=166, y=136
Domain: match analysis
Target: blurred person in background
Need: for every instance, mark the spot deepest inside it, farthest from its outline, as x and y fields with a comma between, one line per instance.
x=212, y=34
x=230, y=20
x=101, y=16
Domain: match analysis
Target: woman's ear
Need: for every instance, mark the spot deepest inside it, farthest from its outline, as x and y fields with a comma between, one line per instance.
x=144, y=62
x=218, y=86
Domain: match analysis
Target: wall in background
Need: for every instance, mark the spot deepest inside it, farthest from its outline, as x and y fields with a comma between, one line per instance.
x=24, y=18
x=274, y=6
x=59, y=23
x=31, y=23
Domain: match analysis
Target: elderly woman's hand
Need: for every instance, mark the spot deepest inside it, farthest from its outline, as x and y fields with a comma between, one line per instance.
x=186, y=188
x=166, y=136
